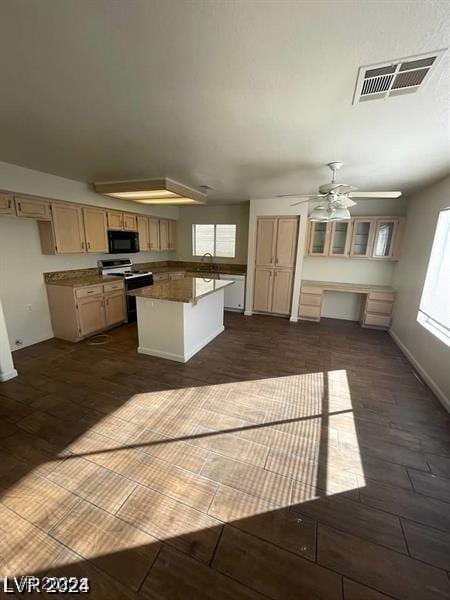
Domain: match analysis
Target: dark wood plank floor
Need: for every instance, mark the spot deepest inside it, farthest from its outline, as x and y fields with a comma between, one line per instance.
x=283, y=461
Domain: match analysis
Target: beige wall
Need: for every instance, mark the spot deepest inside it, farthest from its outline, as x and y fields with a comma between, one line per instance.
x=21, y=262
x=230, y=214
x=428, y=353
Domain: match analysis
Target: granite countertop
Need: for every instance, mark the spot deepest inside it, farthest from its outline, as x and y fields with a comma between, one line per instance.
x=84, y=280
x=189, y=289
x=336, y=285
x=190, y=268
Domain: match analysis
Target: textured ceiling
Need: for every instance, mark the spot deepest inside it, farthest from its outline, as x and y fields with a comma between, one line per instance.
x=250, y=98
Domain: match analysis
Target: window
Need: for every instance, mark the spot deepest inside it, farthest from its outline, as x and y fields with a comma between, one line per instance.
x=218, y=240
x=434, y=311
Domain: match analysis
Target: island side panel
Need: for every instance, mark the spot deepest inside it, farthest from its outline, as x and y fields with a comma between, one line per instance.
x=202, y=322
x=160, y=328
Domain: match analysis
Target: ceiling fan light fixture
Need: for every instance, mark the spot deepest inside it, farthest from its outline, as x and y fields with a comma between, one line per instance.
x=340, y=214
x=320, y=213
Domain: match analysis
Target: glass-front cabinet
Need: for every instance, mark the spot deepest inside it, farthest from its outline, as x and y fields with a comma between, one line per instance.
x=362, y=237
x=340, y=238
x=384, y=241
x=319, y=241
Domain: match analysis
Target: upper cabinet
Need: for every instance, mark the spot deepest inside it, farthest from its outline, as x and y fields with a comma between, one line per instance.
x=375, y=238
x=153, y=230
x=121, y=221
x=319, y=238
x=266, y=239
x=33, y=208
x=7, y=204
x=172, y=235
x=129, y=222
x=64, y=234
x=144, y=240
x=163, y=234
x=95, y=229
x=286, y=246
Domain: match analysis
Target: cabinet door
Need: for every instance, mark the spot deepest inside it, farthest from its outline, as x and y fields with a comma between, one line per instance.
x=153, y=228
x=286, y=247
x=91, y=314
x=362, y=237
x=129, y=222
x=383, y=245
x=115, y=220
x=114, y=308
x=319, y=238
x=262, y=294
x=163, y=234
x=266, y=236
x=95, y=229
x=340, y=238
x=68, y=228
x=282, y=291
x=32, y=208
x=172, y=234
x=144, y=241
x=6, y=204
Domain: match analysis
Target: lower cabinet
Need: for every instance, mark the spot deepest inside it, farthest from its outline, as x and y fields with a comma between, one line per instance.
x=273, y=290
x=79, y=312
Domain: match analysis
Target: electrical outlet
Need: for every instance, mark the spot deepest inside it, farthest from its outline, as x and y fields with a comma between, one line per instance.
x=19, y=342
x=29, y=307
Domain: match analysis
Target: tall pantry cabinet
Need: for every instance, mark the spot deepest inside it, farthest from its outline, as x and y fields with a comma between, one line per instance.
x=276, y=249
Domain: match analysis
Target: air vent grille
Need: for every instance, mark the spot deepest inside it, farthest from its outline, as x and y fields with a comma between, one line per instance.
x=404, y=75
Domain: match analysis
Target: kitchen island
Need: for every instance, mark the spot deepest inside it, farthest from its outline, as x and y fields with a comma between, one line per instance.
x=177, y=318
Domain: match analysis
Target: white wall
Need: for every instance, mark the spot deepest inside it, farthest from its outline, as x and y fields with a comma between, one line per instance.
x=230, y=214
x=428, y=353
x=21, y=263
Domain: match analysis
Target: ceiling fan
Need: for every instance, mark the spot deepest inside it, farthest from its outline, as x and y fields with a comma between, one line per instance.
x=336, y=198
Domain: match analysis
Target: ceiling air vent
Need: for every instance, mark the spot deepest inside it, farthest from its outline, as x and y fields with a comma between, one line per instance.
x=395, y=78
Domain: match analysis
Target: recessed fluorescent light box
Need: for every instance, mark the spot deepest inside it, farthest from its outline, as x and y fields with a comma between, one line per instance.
x=151, y=191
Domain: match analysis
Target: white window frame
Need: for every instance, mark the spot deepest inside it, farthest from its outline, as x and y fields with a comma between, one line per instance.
x=433, y=325
x=194, y=244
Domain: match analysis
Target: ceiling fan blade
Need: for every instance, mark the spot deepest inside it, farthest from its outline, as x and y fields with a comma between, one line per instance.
x=375, y=194
x=300, y=202
x=300, y=195
x=344, y=189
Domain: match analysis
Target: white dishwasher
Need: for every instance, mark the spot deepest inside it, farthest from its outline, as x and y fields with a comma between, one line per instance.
x=234, y=294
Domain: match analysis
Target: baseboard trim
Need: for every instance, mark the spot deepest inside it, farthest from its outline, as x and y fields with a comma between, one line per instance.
x=293, y=319
x=248, y=313
x=9, y=375
x=181, y=357
x=421, y=371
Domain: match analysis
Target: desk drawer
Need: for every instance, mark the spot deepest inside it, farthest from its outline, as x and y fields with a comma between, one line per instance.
x=310, y=289
x=377, y=320
x=384, y=296
x=311, y=299
x=379, y=307
x=85, y=292
x=311, y=312
x=112, y=287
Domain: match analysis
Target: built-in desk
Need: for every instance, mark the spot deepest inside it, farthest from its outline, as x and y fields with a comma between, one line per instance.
x=376, y=309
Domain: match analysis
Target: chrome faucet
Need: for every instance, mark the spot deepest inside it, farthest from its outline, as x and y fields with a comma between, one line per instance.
x=211, y=262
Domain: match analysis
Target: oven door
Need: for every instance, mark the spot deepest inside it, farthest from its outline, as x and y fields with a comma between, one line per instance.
x=122, y=242
x=133, y=284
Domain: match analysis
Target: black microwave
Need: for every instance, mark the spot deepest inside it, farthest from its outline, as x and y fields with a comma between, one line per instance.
x=120, y=242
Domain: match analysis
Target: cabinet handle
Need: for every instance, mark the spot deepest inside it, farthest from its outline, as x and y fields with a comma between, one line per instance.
x=19, y=206
x=82, y=245
x=89, y=244
x=9, y=203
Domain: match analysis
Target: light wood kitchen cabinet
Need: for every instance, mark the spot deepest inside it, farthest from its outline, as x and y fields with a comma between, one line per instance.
x=163, y=234
x=115, y=220
x=276, y=250
x=82, y=311
x=32, y=208
x=319, y=238
x=129, y=222
x=362, y=237
x=95, y=228
x=114, y=308
x=266, y=239
x=153, y=230
x=172, y=235
x=263, y=287
x=144, y=239
x=7, y=204
x=282, y=291
x=385, y=239
x=340, y=238
x=67, y=221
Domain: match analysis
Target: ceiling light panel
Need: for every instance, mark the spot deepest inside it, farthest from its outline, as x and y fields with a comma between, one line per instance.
x=151, y=191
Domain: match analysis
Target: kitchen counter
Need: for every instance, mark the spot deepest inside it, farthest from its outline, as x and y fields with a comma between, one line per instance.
x=188, y=290
x=84, y=280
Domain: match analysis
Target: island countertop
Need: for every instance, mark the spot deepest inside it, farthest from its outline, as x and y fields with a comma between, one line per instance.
x=188, y=290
